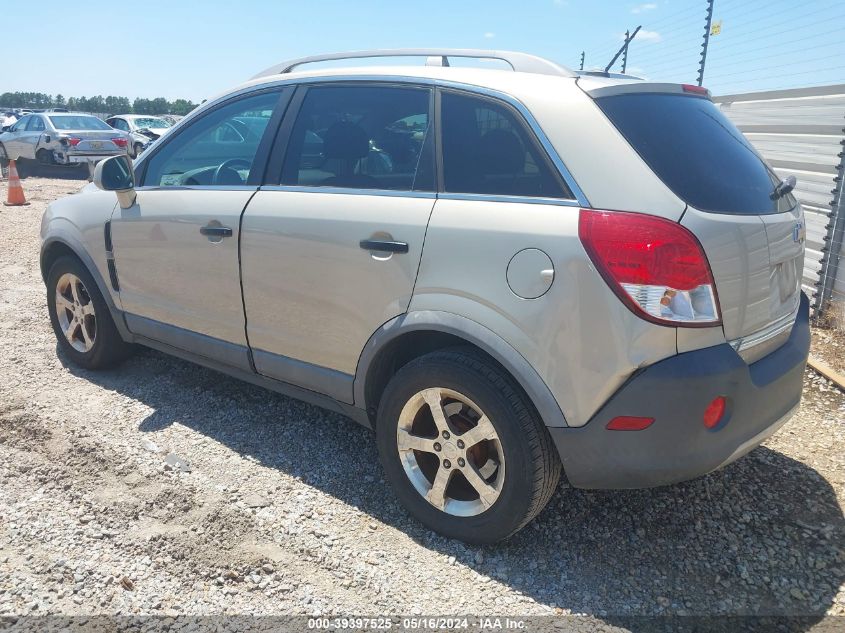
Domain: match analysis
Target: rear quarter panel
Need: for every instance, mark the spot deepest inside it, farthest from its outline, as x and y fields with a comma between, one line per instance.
x=581, y=340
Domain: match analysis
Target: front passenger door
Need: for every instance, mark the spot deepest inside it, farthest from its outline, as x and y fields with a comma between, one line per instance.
x=176, y=249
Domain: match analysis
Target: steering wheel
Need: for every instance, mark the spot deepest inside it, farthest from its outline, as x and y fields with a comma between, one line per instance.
x=229, y=165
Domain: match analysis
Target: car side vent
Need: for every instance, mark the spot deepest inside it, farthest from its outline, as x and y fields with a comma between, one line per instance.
x=113, y=276
x=107, y=236
x=110, y=257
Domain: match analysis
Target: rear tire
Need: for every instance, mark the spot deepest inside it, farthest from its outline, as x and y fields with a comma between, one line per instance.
x=493, y=487
x=44, y=157
x=80, y=317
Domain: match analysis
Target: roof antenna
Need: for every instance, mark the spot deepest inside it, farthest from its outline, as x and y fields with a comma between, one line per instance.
x=624, y=48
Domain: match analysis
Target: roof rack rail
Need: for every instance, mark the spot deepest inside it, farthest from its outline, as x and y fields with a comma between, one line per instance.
x=519, y=62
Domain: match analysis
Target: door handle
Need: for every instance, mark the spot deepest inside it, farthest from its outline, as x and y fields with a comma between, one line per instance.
x=386, y=246
x=216, y=231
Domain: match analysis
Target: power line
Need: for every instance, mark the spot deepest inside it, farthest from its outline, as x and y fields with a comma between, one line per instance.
x=768, y=66
x=791, y=21
x=815, y=70
x=792, y=52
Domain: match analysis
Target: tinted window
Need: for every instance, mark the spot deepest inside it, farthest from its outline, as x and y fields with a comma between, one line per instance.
x=35, y=124
x=217, y=149
x=486, y=149
x=695, y=150
x=362, y=137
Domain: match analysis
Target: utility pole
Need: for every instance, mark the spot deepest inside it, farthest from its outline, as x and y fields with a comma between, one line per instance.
x=706, y=42
x=625, y=52
x=582, y=60
x=624, y=47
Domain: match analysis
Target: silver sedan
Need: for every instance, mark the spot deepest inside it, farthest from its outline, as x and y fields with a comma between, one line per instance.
x=65, y=138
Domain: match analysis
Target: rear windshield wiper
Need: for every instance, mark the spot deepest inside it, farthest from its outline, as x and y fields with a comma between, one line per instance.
x=784, y=187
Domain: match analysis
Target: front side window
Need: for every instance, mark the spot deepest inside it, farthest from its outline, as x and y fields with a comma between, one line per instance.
x=217, y=149
x=20, y=126
x=362, y=137
x=488, y=150
x=35, y=124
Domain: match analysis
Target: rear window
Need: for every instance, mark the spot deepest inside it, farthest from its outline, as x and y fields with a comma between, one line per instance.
x=78, y=122
x=696, y=151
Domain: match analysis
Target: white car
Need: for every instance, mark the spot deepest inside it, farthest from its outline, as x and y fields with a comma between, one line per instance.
x=143, y=128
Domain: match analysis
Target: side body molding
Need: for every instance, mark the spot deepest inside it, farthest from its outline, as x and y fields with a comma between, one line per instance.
x=472, y=332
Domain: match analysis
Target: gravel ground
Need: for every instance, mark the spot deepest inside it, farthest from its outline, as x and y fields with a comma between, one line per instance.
x=284, y=509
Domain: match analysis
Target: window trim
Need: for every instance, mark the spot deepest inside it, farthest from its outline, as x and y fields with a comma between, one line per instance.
x=262, y=153
x=282, y=142
x=298, y=83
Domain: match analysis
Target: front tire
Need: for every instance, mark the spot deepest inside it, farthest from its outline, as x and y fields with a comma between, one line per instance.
x=80, y=317
x=463, y=449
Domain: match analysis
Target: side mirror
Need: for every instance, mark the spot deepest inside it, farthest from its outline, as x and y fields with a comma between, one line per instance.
x=116, y=174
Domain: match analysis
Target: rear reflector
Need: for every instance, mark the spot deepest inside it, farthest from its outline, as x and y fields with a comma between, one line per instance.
x=629, y=423
x=655, y=266
x=74, y=141
x=715, y=411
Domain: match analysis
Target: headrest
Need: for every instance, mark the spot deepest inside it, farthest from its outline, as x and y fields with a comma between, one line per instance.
x=346, y=140
x=501, y=152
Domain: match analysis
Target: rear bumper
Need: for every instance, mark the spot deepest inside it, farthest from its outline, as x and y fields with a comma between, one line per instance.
x=675, y=392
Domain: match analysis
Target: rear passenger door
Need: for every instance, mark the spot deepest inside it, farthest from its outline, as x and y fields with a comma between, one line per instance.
x=330, y=250
x=29, y=140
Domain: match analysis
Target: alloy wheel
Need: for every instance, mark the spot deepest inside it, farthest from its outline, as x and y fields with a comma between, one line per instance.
x=75, y=312
x=450, y=452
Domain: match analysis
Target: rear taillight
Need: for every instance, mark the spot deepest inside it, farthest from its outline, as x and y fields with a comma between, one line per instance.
x=120, y=142
x=655, y=266
x=74, y=141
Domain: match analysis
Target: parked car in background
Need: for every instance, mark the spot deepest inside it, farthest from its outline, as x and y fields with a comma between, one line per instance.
x=507, y=274
x=142, y=127
x=173, y=119
x=62, y=139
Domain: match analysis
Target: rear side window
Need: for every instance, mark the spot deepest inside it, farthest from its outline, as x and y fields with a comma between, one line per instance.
x=362, y=137
x=35, y=124
x=488, y=150
x=696, y=151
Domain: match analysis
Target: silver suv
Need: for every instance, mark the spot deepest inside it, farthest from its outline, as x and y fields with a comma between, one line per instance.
x=505, y=273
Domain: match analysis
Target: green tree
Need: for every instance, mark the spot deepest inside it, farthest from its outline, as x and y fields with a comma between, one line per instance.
x=181, y=106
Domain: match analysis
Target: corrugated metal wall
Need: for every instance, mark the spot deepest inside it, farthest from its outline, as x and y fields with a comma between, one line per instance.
x=800, y=132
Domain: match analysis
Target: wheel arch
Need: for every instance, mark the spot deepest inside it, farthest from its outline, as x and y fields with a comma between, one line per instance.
x=56, y=247
x=411, y=335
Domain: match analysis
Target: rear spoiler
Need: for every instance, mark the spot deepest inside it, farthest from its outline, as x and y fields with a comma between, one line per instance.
x=597, y=86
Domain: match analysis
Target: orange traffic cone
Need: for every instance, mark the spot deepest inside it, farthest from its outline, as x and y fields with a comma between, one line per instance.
x=15, y=197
